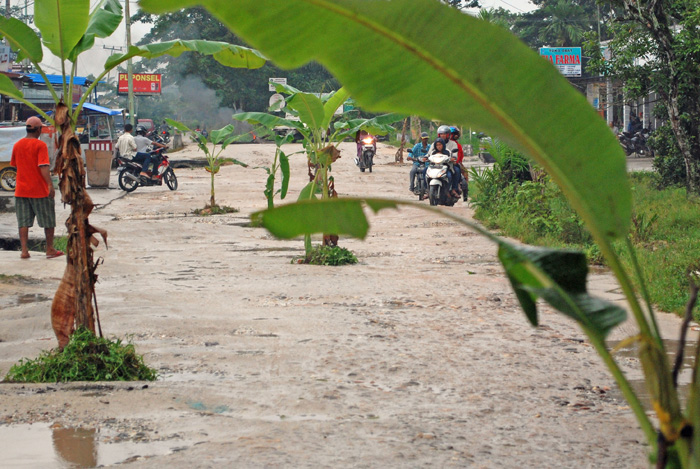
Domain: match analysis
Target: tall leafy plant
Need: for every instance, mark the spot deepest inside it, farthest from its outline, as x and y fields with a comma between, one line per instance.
x=67, y=28
x=313, y=118
x=452, y=77
x=208, y=143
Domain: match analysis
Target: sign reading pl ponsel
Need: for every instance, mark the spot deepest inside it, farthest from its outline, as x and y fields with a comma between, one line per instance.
x=144, y=83
x=566, y=59
x=274, y=81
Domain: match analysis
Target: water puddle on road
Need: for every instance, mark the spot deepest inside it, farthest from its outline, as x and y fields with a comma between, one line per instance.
x=23, y=299
x=40, y=445
x=636, y=379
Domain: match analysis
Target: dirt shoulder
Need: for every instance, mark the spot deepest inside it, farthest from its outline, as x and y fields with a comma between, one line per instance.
x=417, y=356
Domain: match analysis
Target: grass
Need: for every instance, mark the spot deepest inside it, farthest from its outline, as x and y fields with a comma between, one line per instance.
x=61, y=243
x=215, y=210
x=4, y=278
x=327, y=255
x=665, y=232
x=85, y=358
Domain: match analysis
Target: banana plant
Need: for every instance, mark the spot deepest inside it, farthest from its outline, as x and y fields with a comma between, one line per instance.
x=477, y=74
x=67, y=28
x=320, y=140
x=223, y=137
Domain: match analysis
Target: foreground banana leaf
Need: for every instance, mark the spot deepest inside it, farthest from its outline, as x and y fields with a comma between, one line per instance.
x=472, y=73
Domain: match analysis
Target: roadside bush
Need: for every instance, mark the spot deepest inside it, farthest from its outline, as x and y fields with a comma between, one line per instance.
x=665, y=228
x=668, y=164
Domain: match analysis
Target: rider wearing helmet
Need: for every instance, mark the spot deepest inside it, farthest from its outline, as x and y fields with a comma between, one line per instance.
x=419, y=151
x=455, y=134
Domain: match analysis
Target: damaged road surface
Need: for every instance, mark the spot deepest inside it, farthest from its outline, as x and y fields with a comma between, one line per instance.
x=418, y=356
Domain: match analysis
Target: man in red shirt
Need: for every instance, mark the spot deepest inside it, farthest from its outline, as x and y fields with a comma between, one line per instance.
x=34, y=192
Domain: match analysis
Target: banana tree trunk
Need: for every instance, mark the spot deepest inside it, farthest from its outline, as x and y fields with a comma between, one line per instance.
x=212, y=201
x=72, y=305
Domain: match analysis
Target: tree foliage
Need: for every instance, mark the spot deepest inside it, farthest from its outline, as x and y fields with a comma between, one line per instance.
x=656, y=48
x=239, y=90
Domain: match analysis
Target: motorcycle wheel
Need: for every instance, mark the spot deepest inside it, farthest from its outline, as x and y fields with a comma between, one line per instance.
x=127, y=184
x=8, y=179
x=370, y=165
x=170, y=179
x=434, y=195
x=362, y=169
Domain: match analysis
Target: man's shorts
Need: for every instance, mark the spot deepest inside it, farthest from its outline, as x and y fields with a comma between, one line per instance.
x=44, y=210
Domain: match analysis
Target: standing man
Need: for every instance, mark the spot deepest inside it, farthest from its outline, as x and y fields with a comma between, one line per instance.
x=34, y=192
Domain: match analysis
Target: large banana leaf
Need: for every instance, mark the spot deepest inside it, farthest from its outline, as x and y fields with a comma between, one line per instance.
x=333, y=103
x=226, y=54
x=62, y=23
x=103, y=21
x=464, y=71
x=22, y=39
x=555, y=275
x=309, y=108
x=269, y=121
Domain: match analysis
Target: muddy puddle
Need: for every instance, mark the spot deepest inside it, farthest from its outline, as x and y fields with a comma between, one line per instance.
x=45, y=445
x=636, y=379
x=23, y=299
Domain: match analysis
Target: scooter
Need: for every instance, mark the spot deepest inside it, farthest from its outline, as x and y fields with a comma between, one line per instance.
x=128, y=173
x=436, y=177
x=419, y=188
x=165, y=136
x=366, y=159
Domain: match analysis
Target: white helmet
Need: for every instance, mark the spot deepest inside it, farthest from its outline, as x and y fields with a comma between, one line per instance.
x=443, y=129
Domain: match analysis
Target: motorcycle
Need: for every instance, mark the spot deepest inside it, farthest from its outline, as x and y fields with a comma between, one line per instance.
x=165, y=136
x=419, y=188
x=439, y=192
x=366, y=159
x=635, y=143
x=128, y=173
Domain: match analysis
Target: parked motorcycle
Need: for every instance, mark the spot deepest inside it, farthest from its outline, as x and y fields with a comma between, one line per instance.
x=366, y=159
x=436, y=178
x=635, y=143
x=129, y=172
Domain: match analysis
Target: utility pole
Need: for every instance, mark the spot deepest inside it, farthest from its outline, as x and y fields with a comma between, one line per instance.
x=129, y=66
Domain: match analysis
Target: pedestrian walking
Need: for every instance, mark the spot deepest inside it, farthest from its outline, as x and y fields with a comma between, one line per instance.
x=34, y=192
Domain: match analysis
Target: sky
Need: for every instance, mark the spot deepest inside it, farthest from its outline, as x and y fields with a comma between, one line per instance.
x=91, y=61
x=516, y=6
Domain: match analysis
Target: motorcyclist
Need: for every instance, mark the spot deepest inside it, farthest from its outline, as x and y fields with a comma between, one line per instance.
x=419, y=151
x=439, y=146
x=361, y=135
x=454, y=136
x=142, y=144
x=445, y=134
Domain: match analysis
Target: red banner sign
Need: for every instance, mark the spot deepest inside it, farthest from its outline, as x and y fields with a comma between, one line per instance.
x=144, y=83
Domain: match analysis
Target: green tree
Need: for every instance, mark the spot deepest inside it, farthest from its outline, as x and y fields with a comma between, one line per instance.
x=557, y=23
x=656, y=48
x=239, y=90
